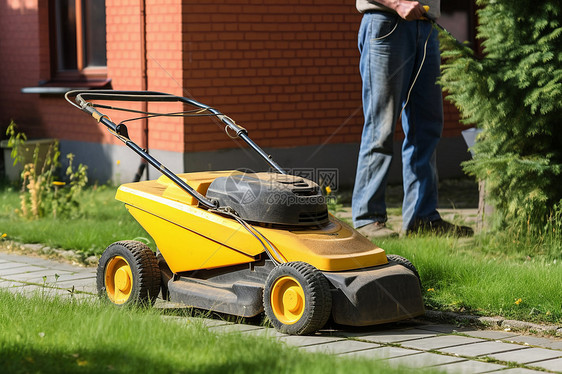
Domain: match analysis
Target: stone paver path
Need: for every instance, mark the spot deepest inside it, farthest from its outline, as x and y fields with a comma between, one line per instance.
x=416, y=344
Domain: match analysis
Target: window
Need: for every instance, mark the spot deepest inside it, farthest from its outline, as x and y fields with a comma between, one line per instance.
x=457, y=16
x=78, y=39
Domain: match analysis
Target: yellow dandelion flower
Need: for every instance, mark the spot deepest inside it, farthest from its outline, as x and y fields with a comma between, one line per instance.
x=3, y=235
x=80, y=362
x=118, y=162
x=328, y=190
x=518, y=301
x=430, y=289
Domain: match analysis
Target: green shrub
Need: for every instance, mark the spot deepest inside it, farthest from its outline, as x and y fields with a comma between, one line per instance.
x=513, y=92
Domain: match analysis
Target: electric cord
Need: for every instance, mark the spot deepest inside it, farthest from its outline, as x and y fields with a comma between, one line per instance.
x=418, y=72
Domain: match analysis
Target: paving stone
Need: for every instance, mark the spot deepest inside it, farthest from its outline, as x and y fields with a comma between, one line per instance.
x=396, y=336
x=552, y=365
x=482, y=349
x=490, y=334
x=209, y=322
x=37, y=277
x=10, y=284
x=79, y=284
x=442, y=328
x=439, y=342
x=469, y=367
x=517, y=371
x=11, y=265
x=423, y=359
x=265, y=332
x=233, y=328
x=537, y=341
x=340, y=347
x=302, y=341
x=382, y=353
x=6, y=273
x=531, y=355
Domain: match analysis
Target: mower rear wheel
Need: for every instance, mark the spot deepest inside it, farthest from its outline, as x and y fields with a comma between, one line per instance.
x=406, y=263
x=297, y=298
x=128, y=274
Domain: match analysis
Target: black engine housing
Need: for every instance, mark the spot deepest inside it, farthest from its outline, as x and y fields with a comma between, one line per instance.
x=271, y=198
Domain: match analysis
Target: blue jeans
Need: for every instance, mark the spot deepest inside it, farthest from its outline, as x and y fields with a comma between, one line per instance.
x=392, y=51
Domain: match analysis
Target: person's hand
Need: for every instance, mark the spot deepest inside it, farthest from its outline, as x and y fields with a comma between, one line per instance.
x=410, y=10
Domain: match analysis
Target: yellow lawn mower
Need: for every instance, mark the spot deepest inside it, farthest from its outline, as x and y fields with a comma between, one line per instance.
x=242, y=243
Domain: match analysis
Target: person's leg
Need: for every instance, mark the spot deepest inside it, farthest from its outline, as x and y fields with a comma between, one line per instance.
x=382, y=47
x=422, y=122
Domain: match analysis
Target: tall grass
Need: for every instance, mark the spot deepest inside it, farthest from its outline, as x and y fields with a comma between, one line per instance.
x=457, y=275
x=103, y=221
x=48, y=335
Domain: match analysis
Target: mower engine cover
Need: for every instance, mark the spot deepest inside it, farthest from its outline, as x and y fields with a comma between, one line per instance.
x=271, y=198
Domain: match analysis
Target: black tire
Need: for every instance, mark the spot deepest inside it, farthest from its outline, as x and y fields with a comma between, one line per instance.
x=406, y=263
x=316, y=307
x=141, y=283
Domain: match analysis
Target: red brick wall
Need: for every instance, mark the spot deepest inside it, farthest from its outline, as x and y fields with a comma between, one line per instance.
x=19, y=64
x=285, y=71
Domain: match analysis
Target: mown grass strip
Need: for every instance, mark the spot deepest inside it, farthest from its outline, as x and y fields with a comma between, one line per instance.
x=49, y=335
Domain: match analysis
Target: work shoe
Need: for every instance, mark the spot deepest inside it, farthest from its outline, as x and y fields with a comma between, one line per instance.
x=440, y=227
x=377, y=230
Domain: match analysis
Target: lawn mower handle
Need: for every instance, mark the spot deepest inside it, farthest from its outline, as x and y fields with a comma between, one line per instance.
x=153, y=96
x=120, y=130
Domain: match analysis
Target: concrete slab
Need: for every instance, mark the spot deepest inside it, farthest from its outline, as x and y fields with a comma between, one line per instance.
x=209, y=322
x=37, y=277
x=6, y=273
x=440, y=342
x=233, y=328
x=340, y=347
x=469, y=367
x=517, y=371
x=483, y=349
x=530, y=355
x=442, y=328
x=421, y=360
x=265, y=332
x=396, y=336
x=552, y=365
x=383, y=353
x=490, y=334
x=536, y=341
x=302, y=341
x=11, y=265
x=90, y=284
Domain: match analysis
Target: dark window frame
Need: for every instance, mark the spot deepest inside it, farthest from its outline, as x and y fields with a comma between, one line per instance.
x=82, y=72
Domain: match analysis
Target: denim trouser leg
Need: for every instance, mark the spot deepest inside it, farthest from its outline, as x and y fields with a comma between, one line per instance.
x=422, y=122
x=390, y=57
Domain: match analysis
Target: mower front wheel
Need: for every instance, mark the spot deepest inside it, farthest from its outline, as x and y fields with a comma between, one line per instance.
x=297, y=298
x=128, y=274
x=406, y=263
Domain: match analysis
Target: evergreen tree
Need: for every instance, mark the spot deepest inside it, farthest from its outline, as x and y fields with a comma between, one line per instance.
x=513, y=92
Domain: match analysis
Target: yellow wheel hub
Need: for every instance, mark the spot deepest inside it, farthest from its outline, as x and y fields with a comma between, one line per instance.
x=287, y=300
x=118, y=280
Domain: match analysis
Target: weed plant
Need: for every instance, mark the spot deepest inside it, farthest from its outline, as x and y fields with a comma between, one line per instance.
x=49, y=335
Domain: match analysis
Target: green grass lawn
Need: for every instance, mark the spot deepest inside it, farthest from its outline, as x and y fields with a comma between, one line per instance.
x=515, y=277
x=460, y=276
x=48, y=335
x=105, y=220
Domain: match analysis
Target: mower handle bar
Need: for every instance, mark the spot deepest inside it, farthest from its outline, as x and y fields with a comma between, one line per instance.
x=120, y=131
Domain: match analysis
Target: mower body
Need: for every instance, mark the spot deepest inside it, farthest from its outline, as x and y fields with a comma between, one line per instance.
x=209, y=260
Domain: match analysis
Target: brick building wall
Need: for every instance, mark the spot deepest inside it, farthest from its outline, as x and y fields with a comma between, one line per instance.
x=287, y=72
